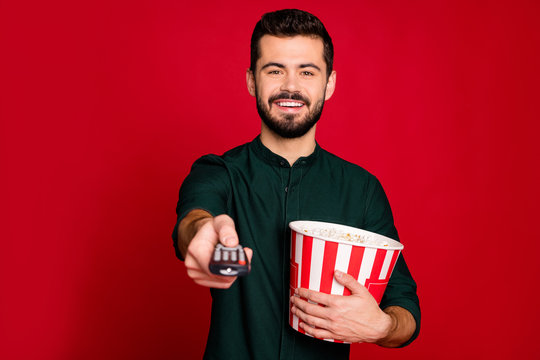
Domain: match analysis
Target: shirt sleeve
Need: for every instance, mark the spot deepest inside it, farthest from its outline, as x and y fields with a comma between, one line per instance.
x=207, y=187
x=401, y=289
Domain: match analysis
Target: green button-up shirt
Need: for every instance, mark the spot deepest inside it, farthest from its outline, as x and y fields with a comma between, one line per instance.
x=263, y=193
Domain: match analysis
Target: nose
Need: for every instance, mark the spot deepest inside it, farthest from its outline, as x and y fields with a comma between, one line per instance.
x=290, y=83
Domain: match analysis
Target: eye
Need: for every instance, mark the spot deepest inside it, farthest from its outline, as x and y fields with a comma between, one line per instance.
x=307, y=73
x=274, y=72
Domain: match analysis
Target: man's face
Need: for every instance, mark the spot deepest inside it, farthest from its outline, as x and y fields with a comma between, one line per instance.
x=290, y=83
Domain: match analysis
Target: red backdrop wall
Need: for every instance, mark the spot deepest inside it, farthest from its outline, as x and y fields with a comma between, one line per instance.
x=106, y=104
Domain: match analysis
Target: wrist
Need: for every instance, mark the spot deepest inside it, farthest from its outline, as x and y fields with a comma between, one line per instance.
x=189, y=226
x=390, y=327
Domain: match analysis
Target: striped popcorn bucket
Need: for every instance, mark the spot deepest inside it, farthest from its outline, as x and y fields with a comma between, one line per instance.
x=319, y=248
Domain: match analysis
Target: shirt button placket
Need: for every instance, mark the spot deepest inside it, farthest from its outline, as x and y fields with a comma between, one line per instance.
x=287, y=344
x=283, y=164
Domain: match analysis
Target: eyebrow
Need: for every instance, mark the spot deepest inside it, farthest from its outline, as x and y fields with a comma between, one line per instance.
x=281, y=66
x=302, y=66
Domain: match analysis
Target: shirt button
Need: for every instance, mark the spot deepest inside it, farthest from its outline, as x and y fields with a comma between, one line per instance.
x=282, y=163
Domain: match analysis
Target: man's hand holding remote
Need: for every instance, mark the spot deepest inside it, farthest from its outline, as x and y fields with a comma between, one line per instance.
x=198, y=235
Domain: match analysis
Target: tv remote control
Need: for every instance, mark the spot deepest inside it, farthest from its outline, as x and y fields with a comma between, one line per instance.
x=229, y=261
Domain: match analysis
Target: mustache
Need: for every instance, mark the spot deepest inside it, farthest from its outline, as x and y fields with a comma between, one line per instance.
x=288, y=96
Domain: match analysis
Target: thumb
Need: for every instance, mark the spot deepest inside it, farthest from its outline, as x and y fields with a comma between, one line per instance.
x=224, y=226
x=350, y=283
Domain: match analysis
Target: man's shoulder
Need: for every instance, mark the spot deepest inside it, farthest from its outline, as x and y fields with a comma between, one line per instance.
x=337, y=163
x=227, y=157
x=236, y=152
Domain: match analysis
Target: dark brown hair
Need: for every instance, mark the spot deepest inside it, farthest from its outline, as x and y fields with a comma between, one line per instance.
x=291, y=22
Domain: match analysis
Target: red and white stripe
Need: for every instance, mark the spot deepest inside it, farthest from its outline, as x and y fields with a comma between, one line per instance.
x=314, y=261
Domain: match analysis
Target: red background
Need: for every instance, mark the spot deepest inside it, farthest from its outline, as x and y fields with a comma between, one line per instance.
x=106, y=104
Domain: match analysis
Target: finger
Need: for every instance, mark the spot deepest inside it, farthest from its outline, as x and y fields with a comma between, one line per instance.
x=315, y=296
x=318, y=333
x=310, y=319
x=196, y=273
x=226, y=231
x=216, y=280
x=191, y=263
x=203, y=273
x=249, y=254
x=311, y=309
x=350, y=283
x=199, y=259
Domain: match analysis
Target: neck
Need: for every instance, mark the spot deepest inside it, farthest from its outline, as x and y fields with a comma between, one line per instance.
x=290, y=149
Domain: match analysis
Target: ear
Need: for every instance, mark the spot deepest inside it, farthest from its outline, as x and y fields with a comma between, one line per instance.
x=250, y=81
x=330, y=85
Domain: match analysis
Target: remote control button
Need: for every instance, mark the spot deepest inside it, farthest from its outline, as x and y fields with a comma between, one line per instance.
x=228, y=272
x=217, y=255
x=241, y=257
x=234, y=256
x=225, y=256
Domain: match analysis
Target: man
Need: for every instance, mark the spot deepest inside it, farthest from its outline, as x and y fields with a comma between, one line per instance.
x=252, y=192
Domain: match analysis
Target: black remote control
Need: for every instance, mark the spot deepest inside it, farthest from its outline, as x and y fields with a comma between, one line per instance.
x=229, y=261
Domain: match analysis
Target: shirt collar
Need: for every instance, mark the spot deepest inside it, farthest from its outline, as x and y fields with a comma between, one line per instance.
x=274, y=159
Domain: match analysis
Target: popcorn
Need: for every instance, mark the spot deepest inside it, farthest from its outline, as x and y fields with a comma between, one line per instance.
x=338, y=234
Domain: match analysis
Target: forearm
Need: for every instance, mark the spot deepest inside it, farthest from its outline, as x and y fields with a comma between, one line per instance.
x=189, y=226
x=403, y=327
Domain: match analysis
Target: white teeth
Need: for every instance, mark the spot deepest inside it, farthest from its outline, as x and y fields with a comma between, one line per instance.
x=290, y=104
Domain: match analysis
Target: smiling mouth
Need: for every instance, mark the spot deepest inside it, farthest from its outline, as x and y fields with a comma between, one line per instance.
x=289, y=104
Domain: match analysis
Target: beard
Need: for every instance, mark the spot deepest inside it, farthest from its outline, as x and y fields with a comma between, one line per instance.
x=286, y=126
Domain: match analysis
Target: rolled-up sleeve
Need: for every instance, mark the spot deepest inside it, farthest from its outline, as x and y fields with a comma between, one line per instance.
x=207, y=187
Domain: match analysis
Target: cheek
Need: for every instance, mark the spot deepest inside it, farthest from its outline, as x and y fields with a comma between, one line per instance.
x=268, y=87
x=316, y=91
x=265, y=94
x=262, y=90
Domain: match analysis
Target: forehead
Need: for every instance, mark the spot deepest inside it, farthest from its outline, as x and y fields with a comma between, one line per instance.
x=291, y=50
